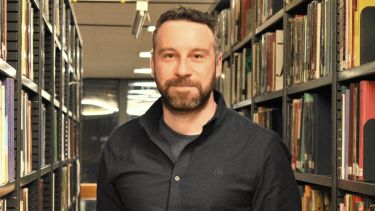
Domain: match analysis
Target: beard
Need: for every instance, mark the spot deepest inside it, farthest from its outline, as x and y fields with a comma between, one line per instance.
x=193, y=99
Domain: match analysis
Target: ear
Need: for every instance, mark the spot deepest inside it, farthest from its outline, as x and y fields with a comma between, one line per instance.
x=152, y=65
x=219, y=65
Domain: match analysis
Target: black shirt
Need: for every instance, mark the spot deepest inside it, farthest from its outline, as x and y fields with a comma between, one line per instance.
x=233, y=165
x=176, y=141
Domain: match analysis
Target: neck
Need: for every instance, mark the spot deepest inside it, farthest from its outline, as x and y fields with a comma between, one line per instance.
x=190, y=123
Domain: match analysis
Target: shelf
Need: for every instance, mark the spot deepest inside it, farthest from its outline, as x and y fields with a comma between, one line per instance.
x=65, y=57
x=75, y=23
x=65, y=109
x=58, y=44
x=273, y=20
x=294, y=4
x=269, y=96
x=29, y=84
x=56, y=103
x=357, y=72
x=45, y=170
x=7, y=69
x=7, y=188
x=47, y=24
x=309, y=85
x=247, y=40
x=55, y=165
x=314, y=179
x=28, y=179
x=242, y=104
x=46, y=96
x=36, y=3
x=226, y=55
x=357, y=187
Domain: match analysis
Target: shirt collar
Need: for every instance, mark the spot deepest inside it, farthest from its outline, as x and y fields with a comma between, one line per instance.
x=150, y=120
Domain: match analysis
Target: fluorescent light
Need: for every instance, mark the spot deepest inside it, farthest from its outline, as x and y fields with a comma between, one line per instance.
x=143, y=84
x=145, y=54
x=151, y=28
x=97, y=113
x=143, y=92
x=142, y=71
x=99, y=103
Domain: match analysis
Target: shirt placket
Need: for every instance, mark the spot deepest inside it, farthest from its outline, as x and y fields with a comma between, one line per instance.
x=176, y=181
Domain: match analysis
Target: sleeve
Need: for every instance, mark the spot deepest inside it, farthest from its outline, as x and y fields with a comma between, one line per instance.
x=107, y=196
x=277, y=188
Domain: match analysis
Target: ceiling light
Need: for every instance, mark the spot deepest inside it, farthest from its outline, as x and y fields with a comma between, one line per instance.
x=143, y=92
x=145, y=54
x=151, y=28
x=142, y=71
x=100, y=103
x=143, y=84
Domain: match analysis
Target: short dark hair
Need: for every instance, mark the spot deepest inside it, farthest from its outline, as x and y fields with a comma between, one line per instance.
x=193, y=15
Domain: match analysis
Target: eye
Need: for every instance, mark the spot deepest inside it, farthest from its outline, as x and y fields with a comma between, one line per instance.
x=197, y=56
x=168, y=55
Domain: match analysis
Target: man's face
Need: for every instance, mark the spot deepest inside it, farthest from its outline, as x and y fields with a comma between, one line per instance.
x=184, y=64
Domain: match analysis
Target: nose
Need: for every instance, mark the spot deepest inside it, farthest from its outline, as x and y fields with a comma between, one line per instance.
x=183, y=68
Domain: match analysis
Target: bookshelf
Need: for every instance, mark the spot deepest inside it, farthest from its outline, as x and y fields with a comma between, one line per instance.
x=330, y=70
x=41, y=74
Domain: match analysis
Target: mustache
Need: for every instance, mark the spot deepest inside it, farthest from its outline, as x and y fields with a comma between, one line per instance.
x=181, y=82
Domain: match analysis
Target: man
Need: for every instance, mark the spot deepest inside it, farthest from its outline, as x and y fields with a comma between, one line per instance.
x=190, y=152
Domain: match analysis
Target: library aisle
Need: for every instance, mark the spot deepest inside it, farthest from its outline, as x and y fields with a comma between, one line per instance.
x=71, y=71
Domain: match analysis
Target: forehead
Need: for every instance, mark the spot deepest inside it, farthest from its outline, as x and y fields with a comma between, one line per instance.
x=181, y=33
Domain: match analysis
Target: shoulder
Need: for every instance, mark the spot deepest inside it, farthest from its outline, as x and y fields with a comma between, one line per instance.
x=265, y=141
x=248, y=128
x=122, y=138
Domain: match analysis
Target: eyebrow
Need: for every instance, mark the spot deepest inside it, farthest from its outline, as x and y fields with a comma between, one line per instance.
x=205, y=51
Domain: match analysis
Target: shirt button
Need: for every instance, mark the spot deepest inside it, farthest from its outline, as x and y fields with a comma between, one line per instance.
x=177, y=178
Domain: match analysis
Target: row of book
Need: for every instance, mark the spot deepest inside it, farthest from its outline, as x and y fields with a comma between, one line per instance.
x=27, y=135
x=242, y=11
x=315, y=199
x=27, y=42
x=7, y=163
x=309, y=134
x=236, y=80
x=355, y=155
x=268, y=63
x=3, y=30
x=307, y=44
x=266, y=9
x=353, y=202
x=270, y=118
x=237, y=16
x=355, y=41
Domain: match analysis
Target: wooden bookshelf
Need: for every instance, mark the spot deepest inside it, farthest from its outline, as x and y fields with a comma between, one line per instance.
x=7, y=188
x=357, y=73
x=327, y=87
x=270, y=22
x=242, y=104
x=325, y=181
x=243, y=43
x=357, y=187
x=310, y=85
x=269, y=96
x=49, y=95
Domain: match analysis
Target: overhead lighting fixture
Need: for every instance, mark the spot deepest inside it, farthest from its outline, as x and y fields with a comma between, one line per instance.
x=151, y=28
x=145, y=54
x=140, y=16
x=142, y=71
x=143, y=84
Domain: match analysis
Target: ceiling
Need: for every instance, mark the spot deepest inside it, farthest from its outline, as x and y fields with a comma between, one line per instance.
x=109, y=48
